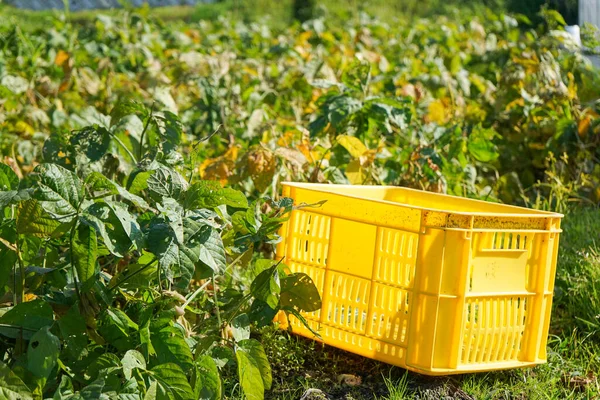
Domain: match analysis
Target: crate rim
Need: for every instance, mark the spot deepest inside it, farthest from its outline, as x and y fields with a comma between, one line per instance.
x=319, y=187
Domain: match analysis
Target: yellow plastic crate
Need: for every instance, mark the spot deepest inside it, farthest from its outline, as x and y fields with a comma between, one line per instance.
x=433, y=283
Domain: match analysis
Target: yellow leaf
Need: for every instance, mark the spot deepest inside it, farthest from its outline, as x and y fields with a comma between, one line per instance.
x=220, y=168
x=24, y=127
x=311, y=155
x=437, y=112
x=29, y=297
x=355, y=147
x=355, y=172
x=584, y=126
x=61, y=57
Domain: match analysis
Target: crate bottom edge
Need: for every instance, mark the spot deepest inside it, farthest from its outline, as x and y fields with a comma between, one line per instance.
x=400, y=362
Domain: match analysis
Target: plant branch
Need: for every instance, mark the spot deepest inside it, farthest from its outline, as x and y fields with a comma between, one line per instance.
x=193, y=295
x=20, y=293
x=217, y=303
x=134, y=273
x=150, y=116
x=124, y=147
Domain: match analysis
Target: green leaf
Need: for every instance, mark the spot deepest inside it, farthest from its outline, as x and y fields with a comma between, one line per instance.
x=125, y=108
x=298, y=290
x=131, y=360
x=65, y=389
x=11, y=386
x=207, y=382
x=172, y=381
x=100, y=183
x=266, y=286
x=58, y=150
x=210, y=194
x=152, y=392
x=249, y=376
x=254, y=370
x=33, y=220
x=169, y=129
x=117, y=328
x=84, y=248
x=301, y=318
x=240, y=326
x=166, y=182
x=93, y=391
x=138, y=181
x=117, y=227
x=171, y=347
x=481, y=146
x=73, y=331
x=257, y=355
x=262, y=314
x=8, y=178
x=93, y=141
x=212, y=251
x=106, y=362
x=26, y=318
x=42, y=353
x=14, y=196
x=201, y=243
x=59, y=191
x=8, y=254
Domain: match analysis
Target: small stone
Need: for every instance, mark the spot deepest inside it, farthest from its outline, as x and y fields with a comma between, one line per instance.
x=314, y=394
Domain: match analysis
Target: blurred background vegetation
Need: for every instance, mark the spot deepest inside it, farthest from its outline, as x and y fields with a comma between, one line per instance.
x=281, y=13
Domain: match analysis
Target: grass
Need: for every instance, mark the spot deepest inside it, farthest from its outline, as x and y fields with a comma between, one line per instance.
x=573, y=349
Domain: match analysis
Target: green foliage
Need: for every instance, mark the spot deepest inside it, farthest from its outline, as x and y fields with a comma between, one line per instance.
x=86, y=308
x=142, y=161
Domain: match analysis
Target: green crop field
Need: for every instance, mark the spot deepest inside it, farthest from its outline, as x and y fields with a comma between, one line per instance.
x=141, y=158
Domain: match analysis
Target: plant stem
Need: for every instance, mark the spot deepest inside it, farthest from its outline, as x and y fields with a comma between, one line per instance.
x=148, y=264
x=73, y=269
x=193, y=295
x=217, y=304
x=140, y=153
x=158, y=277
x=21, y=328
x=20, y=294
x=124, y=147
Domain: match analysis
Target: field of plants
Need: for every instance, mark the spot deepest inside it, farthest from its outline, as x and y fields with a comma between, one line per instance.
x=140, y=174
